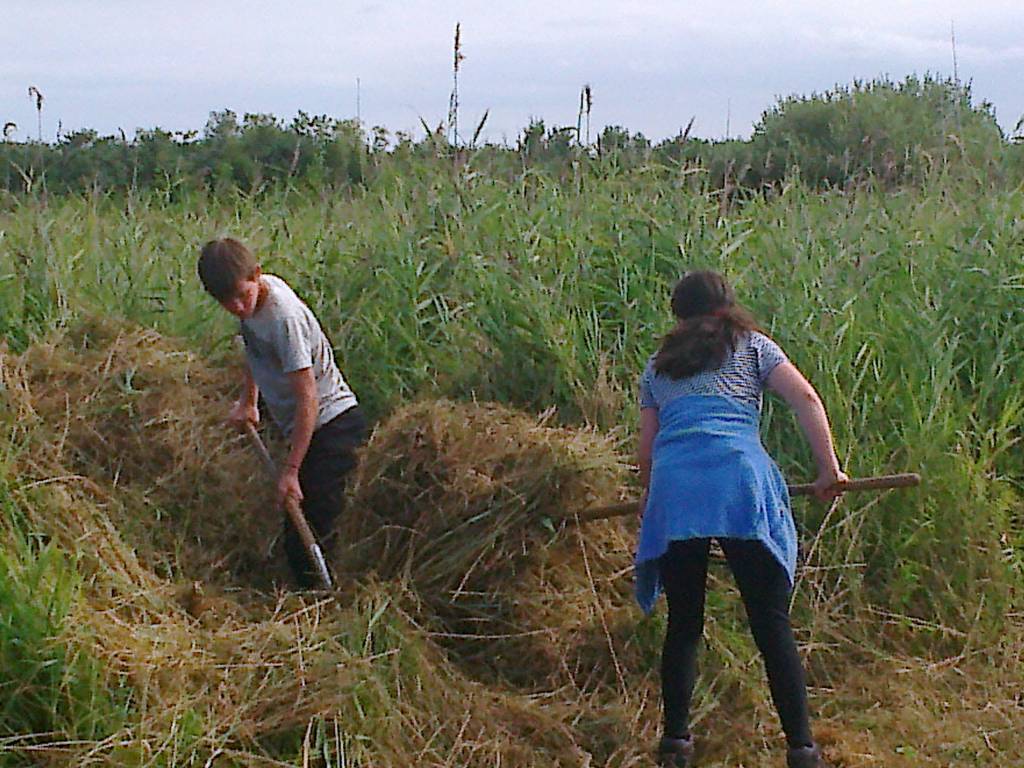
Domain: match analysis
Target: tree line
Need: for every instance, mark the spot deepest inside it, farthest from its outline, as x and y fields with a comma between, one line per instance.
x=879, y=131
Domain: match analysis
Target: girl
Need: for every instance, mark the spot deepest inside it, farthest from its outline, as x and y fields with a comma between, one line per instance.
x=706, y=475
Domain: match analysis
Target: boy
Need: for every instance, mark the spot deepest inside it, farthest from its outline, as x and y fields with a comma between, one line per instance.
x=290, y=361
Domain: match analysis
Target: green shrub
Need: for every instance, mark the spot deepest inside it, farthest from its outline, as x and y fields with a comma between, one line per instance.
x=892, y=132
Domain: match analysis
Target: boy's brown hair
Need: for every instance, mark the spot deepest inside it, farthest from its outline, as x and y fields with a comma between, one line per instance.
x=223, y=264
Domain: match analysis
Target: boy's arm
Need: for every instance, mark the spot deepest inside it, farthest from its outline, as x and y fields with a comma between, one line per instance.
x=245, y=408
x=786, y=381
x=307, y=404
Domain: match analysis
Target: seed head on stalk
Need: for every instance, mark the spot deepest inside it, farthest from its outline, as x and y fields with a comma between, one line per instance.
x=586, y=102
x=34, y=93
x=453, y=101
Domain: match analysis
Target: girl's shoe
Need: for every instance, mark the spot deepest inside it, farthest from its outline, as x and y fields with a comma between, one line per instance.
x=675, y=753
x=805, y=757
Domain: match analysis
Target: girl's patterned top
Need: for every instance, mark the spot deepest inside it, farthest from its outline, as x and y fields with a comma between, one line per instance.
x=742, y=376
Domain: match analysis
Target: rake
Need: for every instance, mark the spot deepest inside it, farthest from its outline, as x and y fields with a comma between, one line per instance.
x=291, y=505
x=879, y=482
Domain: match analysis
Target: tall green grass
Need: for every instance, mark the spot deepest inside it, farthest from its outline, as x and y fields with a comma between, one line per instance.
x=901, y=306
x=51, y=689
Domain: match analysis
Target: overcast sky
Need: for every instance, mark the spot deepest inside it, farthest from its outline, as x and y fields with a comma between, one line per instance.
x=652, y=65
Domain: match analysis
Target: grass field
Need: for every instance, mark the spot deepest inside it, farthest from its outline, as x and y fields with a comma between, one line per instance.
x=121, y=493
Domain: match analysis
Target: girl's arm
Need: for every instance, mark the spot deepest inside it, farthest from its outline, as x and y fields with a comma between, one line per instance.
x=648, y=431
x=787, y=382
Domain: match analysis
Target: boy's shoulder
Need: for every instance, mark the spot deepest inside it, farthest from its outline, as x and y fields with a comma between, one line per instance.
x=282, y=310
x=282, y=301
x=278, y=287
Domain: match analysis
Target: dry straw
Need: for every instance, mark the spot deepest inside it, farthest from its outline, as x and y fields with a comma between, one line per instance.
x=126, y=465
x=470, y=503
x=476, y=625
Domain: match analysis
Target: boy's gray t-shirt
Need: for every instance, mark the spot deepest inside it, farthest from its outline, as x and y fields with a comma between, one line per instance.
x=284, y=336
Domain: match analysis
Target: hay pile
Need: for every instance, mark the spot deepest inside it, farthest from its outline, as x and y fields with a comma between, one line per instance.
x=119, y=458
x=473, y=506
x=143, y=419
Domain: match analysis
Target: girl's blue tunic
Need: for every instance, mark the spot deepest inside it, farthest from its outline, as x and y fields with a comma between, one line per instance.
x=711, y=477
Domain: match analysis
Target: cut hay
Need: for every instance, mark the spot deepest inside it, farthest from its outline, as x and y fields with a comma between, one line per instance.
x=141, y=421
x=473, y=505
x=209, y=678
x=477, y=627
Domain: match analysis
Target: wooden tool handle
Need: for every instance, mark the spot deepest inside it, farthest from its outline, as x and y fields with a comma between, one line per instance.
x=294, y=510
x=879, y=482
x=291, y=505
x=261, y=449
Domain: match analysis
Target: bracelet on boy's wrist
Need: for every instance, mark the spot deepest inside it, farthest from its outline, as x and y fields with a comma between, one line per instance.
x=293, y=464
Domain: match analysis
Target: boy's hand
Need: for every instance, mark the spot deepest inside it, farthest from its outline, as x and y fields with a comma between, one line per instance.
x=242, y=413
x=288, y=485
x=826, y=485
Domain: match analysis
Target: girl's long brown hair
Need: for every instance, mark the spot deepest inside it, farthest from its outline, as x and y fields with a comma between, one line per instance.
x=710, y=322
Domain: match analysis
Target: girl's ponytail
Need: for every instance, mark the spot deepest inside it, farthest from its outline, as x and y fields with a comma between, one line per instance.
x=710, y=323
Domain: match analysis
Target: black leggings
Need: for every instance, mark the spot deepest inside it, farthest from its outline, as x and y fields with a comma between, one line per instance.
x=765, y=589
x=323, y=476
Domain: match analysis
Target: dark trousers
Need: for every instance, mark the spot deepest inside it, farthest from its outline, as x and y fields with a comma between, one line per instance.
x=764, y=586
x=323, y=476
